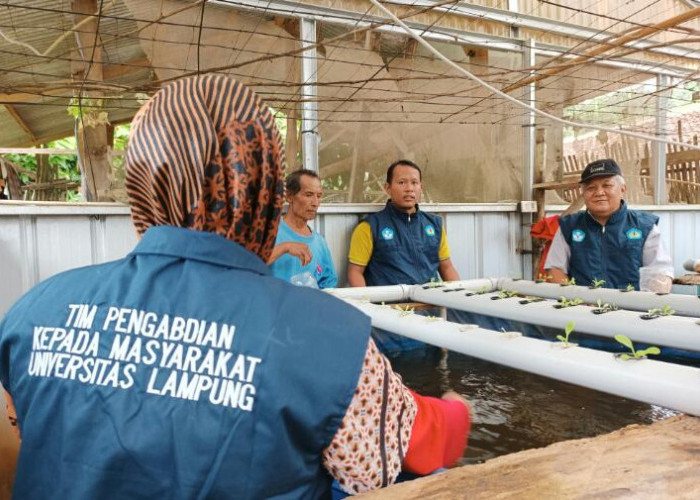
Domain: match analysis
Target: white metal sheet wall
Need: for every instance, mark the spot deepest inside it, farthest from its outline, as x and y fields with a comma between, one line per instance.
x=39, y=241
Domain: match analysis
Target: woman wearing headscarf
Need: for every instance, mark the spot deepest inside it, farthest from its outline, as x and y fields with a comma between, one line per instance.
x=185, y=370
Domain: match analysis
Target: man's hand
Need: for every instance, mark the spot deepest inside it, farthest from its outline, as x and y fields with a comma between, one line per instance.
x=299, y=250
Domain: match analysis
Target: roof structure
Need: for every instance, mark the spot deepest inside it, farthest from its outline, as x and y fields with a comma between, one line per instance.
x=379, y=94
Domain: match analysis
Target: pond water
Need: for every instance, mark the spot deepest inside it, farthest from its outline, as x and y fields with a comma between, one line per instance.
x=515, y=410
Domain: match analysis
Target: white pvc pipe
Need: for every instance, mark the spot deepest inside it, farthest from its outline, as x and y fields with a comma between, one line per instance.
x=672, y=331
x=396, y=293
x=391, y=293
x=684, y=305
x=654, y=382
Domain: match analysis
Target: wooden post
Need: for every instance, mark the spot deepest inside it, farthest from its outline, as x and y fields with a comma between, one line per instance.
x=539, y=194
x=93, y=142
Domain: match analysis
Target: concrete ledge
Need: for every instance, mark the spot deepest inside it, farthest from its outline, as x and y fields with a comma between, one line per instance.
x=660, y=460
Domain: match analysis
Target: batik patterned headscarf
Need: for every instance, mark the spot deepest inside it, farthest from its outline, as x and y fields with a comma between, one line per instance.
x=205, y=154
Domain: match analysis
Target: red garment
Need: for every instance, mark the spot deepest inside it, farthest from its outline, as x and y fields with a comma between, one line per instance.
x=545, y=229
x=439, y=434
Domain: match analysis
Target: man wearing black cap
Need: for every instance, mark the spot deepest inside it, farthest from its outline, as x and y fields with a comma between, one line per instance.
x=608, y=242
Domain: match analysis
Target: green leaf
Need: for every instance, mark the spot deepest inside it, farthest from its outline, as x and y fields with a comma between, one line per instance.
x=649, y=350
x=561, y=338
x=624, y=340
x=624, y=357
x=569, y=327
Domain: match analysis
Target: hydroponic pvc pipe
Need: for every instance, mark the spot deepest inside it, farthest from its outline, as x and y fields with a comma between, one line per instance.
x=684, y=305
x=654, y=382
x=671, y=331
x=396, y=293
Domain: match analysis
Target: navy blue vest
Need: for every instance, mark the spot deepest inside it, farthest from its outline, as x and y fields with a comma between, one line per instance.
x=612, y=252
x=405, y=247
x=107, y=421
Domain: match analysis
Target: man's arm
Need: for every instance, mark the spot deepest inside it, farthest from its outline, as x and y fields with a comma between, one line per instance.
x=300, y=250
x=447, y=270
x=356, y=275
x=557, y=264
x=359, y=254
x=656, y=273
x=329, y=278
x=557, y=276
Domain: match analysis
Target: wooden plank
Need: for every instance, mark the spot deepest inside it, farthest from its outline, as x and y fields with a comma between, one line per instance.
x=660, y=460
x=538, y=194
x=565, y=184
x=22, y=124
x=543, y=71
x=93, y=144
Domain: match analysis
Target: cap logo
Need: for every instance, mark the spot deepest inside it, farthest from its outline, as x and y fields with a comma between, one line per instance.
x=634, y=234
x=387, y=233
x=430, y=230
x=598, y=169
x=578, y=236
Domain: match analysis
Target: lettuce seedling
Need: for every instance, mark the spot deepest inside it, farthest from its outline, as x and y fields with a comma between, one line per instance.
x=634, y=354
x=564, y=302
x=598, y=283
x=567, y=331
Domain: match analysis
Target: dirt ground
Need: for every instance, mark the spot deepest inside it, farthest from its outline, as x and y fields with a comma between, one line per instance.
x=661, y=460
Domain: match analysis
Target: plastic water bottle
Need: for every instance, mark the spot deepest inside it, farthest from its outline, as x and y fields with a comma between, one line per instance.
x=304, y=279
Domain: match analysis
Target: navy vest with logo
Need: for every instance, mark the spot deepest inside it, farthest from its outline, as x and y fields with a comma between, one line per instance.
x=199, y=375
x=405, y=247
x=612, y=252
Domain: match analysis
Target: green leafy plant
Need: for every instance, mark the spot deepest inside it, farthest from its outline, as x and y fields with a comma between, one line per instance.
x=664, y=311
x=91, y=112
x=604, y=307
x=530, y=298
x=430, y=317
x=630, y=287
x=570, y=282
x=634, y=354
x=567, y=332
x=434, y=283
x=598, y=283
x=405, y=310
x=506, y=294
x=480, y=291
x=564, y=302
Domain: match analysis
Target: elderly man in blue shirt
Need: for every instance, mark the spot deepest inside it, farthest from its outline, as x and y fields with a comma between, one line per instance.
x=608, y=242
x=301, y=255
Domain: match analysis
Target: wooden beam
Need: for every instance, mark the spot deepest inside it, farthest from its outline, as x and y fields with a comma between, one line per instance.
x=538, y=195
x=19, y=97
x=115, y=70
x=566, y=183
x=18, y=119
x=48, y=151
x=606, y=46
x=93, y=144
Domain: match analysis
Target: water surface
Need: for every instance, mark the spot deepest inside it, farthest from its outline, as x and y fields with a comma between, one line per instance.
x=516, y=410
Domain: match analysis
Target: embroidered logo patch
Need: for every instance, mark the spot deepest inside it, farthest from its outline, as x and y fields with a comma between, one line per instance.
x=388, y=233
x=429, y=230
x=319, y=269
x=634, y=234
x=578, y=236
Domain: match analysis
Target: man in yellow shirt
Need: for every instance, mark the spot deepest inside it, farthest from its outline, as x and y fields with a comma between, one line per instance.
x=400, y=244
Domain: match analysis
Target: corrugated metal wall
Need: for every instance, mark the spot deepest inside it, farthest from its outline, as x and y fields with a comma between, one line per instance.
x=39, y=241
